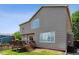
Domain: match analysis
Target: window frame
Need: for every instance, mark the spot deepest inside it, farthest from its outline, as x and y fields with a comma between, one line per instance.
x=42, y=35
x=35, y=23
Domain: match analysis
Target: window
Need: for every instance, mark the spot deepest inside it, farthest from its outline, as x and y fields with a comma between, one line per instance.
x=35, y=24
x=48, y=37
x=22, y=30
x=25, y=37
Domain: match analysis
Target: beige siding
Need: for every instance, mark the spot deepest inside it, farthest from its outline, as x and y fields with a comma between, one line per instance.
x=51, y=19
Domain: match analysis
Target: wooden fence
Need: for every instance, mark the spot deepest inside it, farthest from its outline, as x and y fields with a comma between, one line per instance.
x=4, y=46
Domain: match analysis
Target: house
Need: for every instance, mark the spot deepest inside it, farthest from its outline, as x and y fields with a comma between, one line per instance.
x=49, y=27
x=6, y=39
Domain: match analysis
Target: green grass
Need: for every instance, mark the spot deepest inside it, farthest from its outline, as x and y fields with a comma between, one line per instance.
x=34, y=52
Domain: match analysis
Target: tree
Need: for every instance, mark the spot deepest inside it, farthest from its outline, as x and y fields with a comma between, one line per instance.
x=75, y=22
x=17, y=35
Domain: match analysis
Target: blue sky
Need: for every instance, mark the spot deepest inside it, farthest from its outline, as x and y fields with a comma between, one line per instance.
x=13, y=15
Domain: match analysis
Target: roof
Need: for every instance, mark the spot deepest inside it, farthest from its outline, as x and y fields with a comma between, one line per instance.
x=45, y=6
x=6, y=34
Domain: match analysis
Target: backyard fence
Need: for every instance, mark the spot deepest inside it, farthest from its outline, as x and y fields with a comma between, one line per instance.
x=4, y=46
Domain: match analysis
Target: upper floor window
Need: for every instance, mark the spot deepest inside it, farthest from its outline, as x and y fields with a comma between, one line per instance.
x=35, y=24
x=22, y=29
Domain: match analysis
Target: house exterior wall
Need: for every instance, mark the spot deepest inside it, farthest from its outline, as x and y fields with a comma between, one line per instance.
x=52, y=19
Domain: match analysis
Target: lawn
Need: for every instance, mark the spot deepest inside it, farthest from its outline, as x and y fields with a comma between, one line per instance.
x=34, y=52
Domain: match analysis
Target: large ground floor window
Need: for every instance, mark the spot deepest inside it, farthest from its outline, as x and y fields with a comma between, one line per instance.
x=47, y=37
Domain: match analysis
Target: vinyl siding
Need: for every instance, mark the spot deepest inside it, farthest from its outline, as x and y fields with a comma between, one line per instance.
x=51, y=19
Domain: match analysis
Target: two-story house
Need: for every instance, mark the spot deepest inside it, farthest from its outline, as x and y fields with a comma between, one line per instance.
x=48, y=27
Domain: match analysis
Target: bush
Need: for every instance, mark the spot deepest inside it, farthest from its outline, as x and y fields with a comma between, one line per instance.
x=76, y=44
x=71, y=49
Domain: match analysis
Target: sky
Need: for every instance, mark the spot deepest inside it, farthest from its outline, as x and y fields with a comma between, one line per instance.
x=11, y=15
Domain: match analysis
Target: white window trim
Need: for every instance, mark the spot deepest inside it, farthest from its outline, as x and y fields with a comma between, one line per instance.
x=41, y=41
x=32, y=23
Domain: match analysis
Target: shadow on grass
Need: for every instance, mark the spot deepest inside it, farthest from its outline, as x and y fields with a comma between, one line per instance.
x=34, y=52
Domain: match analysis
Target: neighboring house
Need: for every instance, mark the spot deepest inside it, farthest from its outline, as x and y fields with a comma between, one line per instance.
x=4, y=39
x=48, y=27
